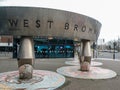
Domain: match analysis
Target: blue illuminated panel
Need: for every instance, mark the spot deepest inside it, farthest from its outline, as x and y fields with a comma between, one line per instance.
x=44, y=48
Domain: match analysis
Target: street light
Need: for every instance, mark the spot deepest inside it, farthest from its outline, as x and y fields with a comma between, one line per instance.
x=118, y=44
x=114, y=45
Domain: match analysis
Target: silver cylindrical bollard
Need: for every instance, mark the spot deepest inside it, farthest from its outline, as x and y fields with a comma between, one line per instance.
x=26, y=56
x=85, y=55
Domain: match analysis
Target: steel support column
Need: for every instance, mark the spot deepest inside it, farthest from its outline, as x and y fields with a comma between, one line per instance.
x=85, y=55
x=26, y=57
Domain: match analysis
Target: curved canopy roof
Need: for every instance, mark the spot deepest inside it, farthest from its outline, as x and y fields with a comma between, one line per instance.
x=33, y=21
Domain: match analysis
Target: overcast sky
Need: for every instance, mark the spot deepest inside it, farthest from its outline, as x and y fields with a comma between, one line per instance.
x=105, y=11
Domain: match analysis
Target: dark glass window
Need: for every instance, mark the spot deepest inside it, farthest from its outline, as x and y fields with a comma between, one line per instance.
x=49, y=48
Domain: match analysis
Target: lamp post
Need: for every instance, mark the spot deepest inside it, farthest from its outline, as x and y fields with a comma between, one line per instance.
x=118, y=44
x=94, y=48
x=114, y=45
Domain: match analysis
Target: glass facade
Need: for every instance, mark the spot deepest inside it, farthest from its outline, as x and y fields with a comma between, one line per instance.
x=49, y=48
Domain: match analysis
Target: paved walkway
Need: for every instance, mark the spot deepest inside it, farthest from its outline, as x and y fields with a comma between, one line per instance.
x=71, y=83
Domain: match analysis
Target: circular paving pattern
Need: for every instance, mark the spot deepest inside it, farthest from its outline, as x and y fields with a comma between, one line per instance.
x=93, y=63
x=42, y=80
x=5, y=87
x=94, y=73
